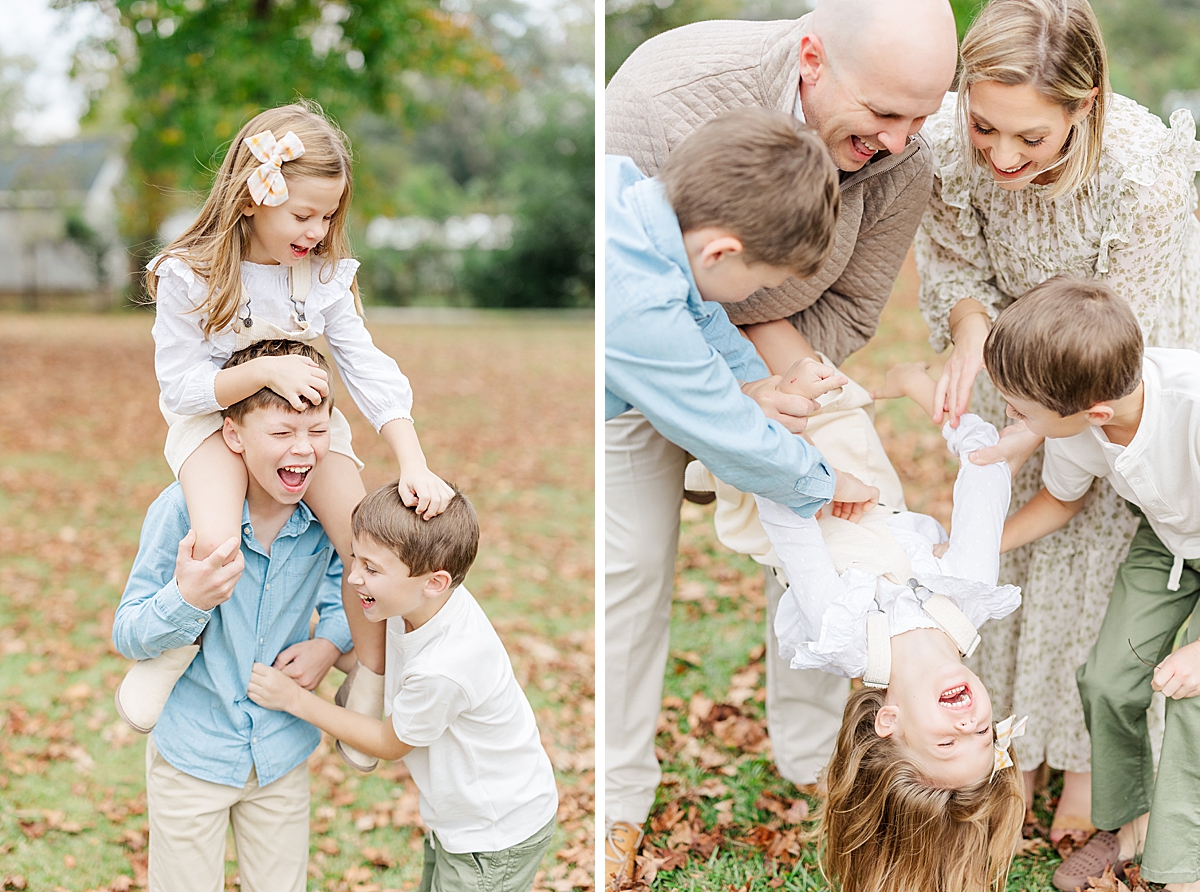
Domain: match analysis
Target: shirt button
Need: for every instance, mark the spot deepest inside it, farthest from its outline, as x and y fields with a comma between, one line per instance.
x=254, y=740
x=261, y=640
x=248, y=531
x=268, y=586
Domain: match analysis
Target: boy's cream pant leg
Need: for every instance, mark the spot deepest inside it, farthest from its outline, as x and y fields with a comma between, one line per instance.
x=189, y=817
x=804, y=706
x=643, y=493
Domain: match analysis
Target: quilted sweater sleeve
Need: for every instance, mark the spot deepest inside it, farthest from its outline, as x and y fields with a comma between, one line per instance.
x=633, y=125
x=847, y=314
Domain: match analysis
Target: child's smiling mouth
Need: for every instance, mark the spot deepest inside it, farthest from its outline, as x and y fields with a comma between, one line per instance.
x=298, y=251
x=293, y=477
x=957, y=697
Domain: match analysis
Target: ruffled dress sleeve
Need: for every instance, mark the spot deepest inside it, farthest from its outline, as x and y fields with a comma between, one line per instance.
x=950, y=245
x=1142, y=245
x=376, y=384
x=186, y=361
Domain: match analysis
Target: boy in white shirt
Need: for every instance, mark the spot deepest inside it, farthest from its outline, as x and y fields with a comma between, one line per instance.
x=459, y=719
x=1068, y=359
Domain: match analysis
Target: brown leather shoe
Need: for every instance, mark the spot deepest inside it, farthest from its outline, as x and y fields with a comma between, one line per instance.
x=621, y=844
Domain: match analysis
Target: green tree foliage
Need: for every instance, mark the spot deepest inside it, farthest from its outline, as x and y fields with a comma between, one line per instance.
x=196, y=70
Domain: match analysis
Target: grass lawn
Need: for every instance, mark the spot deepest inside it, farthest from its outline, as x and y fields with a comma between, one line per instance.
x=503, y=409
x=724, y=818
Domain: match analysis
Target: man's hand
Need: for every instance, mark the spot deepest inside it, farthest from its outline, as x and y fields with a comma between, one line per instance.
x=271, y=689
x=811, y=378
x=852, y=498
x=789, y=409
x=1178, y=676
x=306, y=662
x=207, y=583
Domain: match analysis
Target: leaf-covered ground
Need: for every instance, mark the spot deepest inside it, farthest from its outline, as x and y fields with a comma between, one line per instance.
x=504, y=410
x=724, y=819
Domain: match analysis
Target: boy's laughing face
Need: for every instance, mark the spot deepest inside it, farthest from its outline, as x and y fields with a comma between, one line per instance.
x=281, y=447
x=384, y=585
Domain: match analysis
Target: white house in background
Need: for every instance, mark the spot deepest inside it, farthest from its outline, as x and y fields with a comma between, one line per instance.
x=58, y=221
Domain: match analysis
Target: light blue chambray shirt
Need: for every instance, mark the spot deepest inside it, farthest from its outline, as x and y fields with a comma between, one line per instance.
x=210, y=729
x=678, y=359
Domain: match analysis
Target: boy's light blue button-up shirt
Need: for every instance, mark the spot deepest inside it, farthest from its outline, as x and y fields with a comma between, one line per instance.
x=210, y=729
x=678, y=359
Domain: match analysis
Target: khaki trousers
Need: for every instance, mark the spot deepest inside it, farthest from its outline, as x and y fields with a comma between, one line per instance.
x=804, y=706
x=189, y=817
x=643, y=493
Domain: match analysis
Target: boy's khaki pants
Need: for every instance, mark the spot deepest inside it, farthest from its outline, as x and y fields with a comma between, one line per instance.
x=643, y=493
x=189, y=817
x=1115, y=687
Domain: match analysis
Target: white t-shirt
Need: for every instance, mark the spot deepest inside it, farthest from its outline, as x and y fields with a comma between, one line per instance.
x=1159, y=468
x=484, y=779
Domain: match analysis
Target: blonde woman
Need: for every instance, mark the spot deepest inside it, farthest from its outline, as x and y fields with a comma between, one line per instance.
x=1041, y=170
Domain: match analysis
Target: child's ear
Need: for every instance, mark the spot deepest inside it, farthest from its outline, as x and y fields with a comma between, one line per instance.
x=1099, y=414
x=886, y=720
x=718, y=248
x=232, y=437
x=437, y=584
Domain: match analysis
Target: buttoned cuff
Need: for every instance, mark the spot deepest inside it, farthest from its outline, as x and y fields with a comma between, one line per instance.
x=336, y=630
x=173, y=609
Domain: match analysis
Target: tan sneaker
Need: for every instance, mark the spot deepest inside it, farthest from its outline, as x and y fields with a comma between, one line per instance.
x=621, y=844
x=142, y=694
x=361, y=692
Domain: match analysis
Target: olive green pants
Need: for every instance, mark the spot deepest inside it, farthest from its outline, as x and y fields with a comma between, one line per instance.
x=1115, y=687
x=508, y=870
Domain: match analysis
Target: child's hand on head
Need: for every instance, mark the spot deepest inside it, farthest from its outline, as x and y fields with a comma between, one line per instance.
x=811, y=378
x=852, y=498
x=271, y=689
x=307, y=662
x=424, y=490
x=1178, y=676
x=293, y=377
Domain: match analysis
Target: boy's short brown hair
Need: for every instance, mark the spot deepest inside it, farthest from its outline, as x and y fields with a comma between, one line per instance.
x=267, y=398
x=446, y=542
x=766, y=178
x=1066, y=344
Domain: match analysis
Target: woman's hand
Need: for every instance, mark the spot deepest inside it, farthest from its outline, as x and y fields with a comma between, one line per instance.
x=952, y=394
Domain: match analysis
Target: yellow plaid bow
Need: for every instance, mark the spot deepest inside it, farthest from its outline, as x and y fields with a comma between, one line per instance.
x=1005, y=732
x=266, y=182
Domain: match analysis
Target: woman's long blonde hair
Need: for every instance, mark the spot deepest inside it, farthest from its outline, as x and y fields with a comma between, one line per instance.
x=215, y=245
x=1056, y=47
x=885, y=828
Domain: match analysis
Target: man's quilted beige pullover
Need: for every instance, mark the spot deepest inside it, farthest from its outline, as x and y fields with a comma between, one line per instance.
x=676, y=81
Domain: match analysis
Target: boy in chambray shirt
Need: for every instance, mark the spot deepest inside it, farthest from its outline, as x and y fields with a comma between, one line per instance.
x=214, y=757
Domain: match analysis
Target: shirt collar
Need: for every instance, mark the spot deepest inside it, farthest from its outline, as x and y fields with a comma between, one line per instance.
x=662, y=226
x=296, y=525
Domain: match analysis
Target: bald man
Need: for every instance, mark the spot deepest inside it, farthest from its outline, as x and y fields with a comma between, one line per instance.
x=864, y=74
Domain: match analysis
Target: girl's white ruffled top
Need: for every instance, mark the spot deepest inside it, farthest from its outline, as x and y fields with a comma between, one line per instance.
x=822, y=619
x=186, y=361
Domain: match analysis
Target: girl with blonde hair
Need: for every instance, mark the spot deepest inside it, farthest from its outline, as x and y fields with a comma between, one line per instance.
x=922, y=789
x=1040, y=170
x=268, y=258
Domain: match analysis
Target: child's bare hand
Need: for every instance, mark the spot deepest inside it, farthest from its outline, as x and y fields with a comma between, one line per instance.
x=896, y=383
x=306, y=662
x=811, y=378
x=426, y=491
x=293, y=377
x=789, y=409
x=1017, y=443
x=207, y=583
x=1178, y=676
x=852, y=498
x=271, y=689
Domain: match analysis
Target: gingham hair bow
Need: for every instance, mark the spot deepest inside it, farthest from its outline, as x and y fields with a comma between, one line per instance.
x=1006, y=731
x=266, y=182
